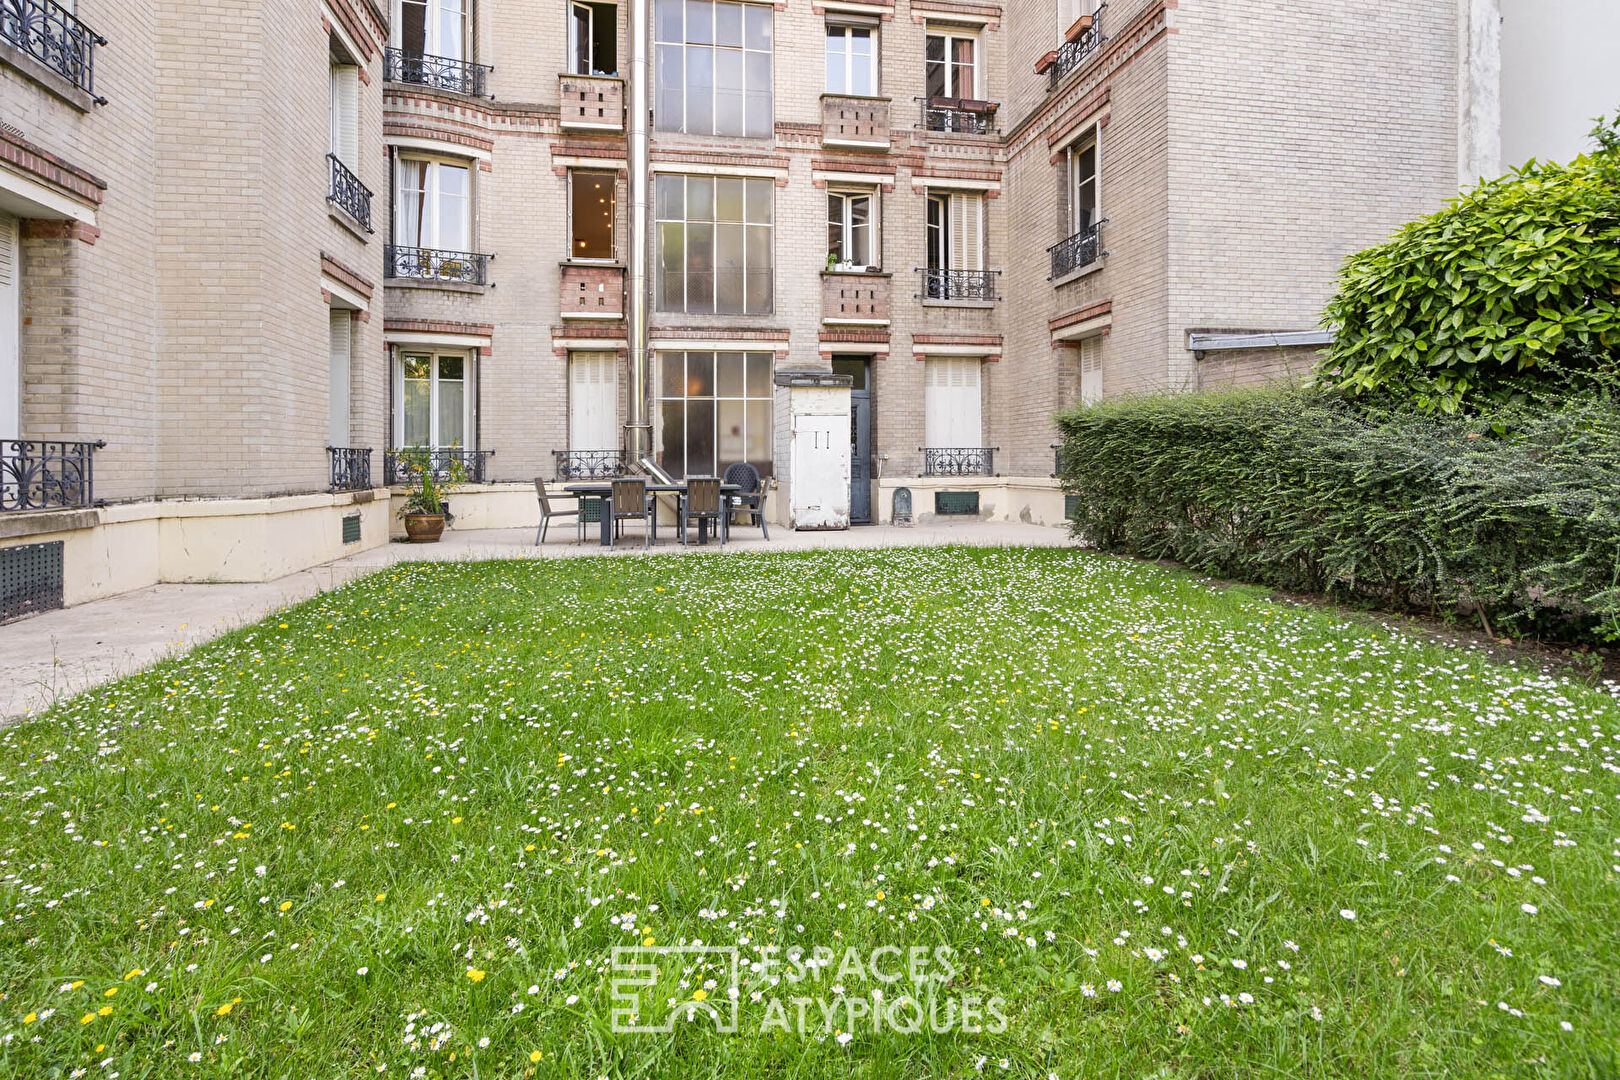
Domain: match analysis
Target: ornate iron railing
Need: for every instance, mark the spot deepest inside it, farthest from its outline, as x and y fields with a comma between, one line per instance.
x=51, y=34
x=439, y=72
x=47, y=475
x=954, y=116
x=590, y=464
x=959, y=460
x=401, y=466
x=431, y=264
x=1057, y=459
x=941, y=284
x=1071, y=54
x=349, y=194
x=351, y=467
x=1081, y=249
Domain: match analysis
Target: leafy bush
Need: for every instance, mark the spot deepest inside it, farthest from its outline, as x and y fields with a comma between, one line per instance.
x=1466, y=308
x=1514, y=516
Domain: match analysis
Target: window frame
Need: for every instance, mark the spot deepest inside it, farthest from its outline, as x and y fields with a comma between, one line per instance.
x=846, y=225
x=952, y=88
x=431, y=198
x=469, y=389
x=1090, y=140
x=612, y=178
x=873, y=64
x=763, y=406
x=714, y=223
x=432, y=29
x=664, y=95
x=593, y=8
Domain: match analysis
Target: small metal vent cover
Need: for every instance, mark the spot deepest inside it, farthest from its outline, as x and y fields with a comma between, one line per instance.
x=30, y=579
x=351, y=529
x=956, y=503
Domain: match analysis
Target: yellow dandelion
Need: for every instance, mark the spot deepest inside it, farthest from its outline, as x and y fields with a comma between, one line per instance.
x=86, y=1018
x=105, y=1010
x=699, y=994
x=475, y=974
x=30, y=1018
x=111, y=990
x=534, y=1056
x=286, y=905
x=225, y=1009
x=381, y=897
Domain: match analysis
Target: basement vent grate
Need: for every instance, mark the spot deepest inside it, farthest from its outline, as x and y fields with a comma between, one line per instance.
x=956, y=503
x=1071, y=507
x=351, y=529
x=30, y=579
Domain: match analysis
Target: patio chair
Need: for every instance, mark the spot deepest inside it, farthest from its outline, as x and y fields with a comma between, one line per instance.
x=750, y=496
x=703, y=503
x=630, y=501
x=549, y=510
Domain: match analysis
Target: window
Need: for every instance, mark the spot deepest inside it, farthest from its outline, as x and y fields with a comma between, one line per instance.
x=10, y=327
x=345, y=114
x=714, y=244
x=435, y=407
x=851, y=60
x=593, y=400
x=849, y=229
x=714, y=410
x=951, y=406
x=434, y=205
x=1069, y=11
x=1091, y=386
x=590, y=212
x=433, y=28
x=1082, y=165
x=955, y=232
x=339, y=347
x=593, y=39
x=714, y=67
x=950, y=65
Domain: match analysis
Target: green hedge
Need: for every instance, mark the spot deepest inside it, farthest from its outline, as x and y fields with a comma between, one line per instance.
x=1516, y=514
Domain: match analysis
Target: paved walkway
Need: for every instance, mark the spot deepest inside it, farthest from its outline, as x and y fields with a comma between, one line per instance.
x=59, y=653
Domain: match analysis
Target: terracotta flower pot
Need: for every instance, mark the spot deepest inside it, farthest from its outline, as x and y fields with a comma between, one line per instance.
x=424, y=528
x=1078, y=29
x=1044, y=64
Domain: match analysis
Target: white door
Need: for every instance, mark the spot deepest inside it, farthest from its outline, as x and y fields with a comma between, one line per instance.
x=818, y=470
x=337, y=430
x=951, y=402
x=10, y=323
x=592, y=401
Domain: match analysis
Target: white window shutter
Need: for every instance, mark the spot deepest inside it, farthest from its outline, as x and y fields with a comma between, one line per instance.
x=593, y=402
x=346, y=115
x=951, y=409
x=10, y=329
x=1091, y=388
x=967, y=232
x=340, y=347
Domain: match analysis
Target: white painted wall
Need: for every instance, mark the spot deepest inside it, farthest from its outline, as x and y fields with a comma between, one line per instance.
x=1560, y=71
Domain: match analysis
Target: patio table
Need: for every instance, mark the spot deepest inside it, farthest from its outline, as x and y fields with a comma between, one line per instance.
x=603, y=489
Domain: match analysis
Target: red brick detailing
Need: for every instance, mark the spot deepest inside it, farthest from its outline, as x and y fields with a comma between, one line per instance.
x=855, y=297
x=441, y=129
x=729, y=159
x=338, y=270
x=42, y=165
x=990, y=343
x=591, y=102
x=677, y=334
x=1080, y=315
x=437, y=326
x=607, y=331
x=855, y=336
x=356, y=26
x=591, y=292
x=51, y=229
x=943, y=9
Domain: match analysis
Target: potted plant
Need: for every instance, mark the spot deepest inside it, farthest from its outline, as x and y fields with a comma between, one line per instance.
x=425, y=507
x=832, y=261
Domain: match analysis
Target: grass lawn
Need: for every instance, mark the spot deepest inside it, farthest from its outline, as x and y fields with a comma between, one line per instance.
x=1174, y=832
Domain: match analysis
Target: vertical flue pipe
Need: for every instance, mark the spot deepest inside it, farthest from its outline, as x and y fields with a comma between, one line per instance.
x=639, y=429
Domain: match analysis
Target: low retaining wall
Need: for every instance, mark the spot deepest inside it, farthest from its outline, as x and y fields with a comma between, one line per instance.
x=1033, y=500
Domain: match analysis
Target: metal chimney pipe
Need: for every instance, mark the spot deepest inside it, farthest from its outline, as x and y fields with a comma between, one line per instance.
x=639, y=429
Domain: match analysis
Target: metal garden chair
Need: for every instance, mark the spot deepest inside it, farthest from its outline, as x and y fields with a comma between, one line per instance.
x=703, y=503
x=631, y=501
x=549, y=510
x=750, y=496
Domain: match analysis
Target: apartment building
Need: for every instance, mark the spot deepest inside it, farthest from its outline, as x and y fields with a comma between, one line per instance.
x=257, y=250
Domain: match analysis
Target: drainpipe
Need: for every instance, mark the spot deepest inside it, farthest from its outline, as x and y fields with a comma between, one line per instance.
x=639, y=430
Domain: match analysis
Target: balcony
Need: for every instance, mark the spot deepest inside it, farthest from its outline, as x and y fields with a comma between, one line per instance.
x=854, y=123
x=960, y=286
x=431, y=264
x=958, y=116
x=50, y=34
x=436, y=72
x=405, y=466
x=591, y=291
x=350, y=468
x=854, y=298
x=959, y=460
x=1080, y=250
x=47, y=475
x=348, y=193
x=590, y=464
x=591, y=102
x=1079, y=43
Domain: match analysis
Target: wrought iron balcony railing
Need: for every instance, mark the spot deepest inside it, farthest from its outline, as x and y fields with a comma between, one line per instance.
x=351, y=468
x=1071, y=54
x=1081, y=249
x=405, y=467
x=590, y=464
x=1057, y=459
x=51, y=34
x=959, y=460
x=958, y=116
x=47, y=475
x=975, y=285
x=438, y=72
x=430, y=264
x=349, y=194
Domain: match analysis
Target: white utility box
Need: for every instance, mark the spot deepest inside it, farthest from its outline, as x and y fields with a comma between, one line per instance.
x=818, y=448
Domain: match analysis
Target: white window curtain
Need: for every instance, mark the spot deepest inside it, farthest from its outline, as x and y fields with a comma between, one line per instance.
x=593, y=393
x=951, y=402
x=435, y=205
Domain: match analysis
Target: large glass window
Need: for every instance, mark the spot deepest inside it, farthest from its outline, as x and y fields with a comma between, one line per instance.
x=435, y=205
x=851, y=60
x=1082, y=186
x=713, y=67
x=591, y=205
x=434, y=405
x=433, y=28
x=714, y=410
x=950, y=65
x=849, y=229
x=715, y=244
